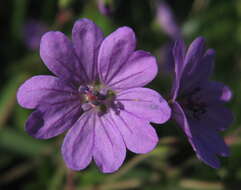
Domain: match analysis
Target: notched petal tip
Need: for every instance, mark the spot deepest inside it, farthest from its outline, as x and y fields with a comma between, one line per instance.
x=86, y=25
x=84, y=20
x=78, y=143
x=107, y=170
x=109, y=150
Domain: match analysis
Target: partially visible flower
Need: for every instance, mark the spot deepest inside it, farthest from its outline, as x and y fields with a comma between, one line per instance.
x=198, y=103
x=32, y=33
x=167, y=21
x=105, y=7
x=96, y=94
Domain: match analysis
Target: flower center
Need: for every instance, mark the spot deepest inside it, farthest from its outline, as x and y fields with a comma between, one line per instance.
x=101, y=99
x=193, y=104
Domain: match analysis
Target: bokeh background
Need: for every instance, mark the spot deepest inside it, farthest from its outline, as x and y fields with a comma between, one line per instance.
x=30, y=164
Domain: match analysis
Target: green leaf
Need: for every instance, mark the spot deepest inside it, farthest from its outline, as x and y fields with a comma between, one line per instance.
x=21, y=143
x=7, y=98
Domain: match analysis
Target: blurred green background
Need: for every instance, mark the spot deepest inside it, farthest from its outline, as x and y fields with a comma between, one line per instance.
x=30, y=164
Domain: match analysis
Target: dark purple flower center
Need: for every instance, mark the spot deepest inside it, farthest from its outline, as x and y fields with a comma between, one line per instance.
x=193, y=104
x=99, y=99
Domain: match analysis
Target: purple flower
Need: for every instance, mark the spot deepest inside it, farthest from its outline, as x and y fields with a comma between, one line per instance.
x=198, y=103
x=167, y=20
x=32, y=33
x=106, y=8
x=96, y=95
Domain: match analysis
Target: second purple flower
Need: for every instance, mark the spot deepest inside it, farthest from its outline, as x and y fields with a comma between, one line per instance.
x=198, y=103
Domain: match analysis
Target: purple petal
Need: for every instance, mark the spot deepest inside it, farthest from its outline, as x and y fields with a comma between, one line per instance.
x=202, y=135
x=146, y=104
x=179, y=116
x=77, y=148
x=32, y=32
x=205, y=132
x=194, y=53
x=195, y=65
x=139, y=135
x=58, y=54
x=140, y=69
x=218, y=92
x=201, y=73
x=204, y=153
x=114, y=52
x=106, y=8
x=42, y=89
x=178, y=52
x=226, y=94
x=167, y=21
x=207, y=143
x=109, y=150
x=50, y=120
x=219, y=117
x=87, y=37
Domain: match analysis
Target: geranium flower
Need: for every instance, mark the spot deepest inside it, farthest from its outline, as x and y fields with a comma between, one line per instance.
x=198, y=103
x=96, y=95
x=32, y=33
x=166, y=19
x=105, y=7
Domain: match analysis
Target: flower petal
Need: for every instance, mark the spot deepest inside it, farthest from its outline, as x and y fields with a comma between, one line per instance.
x=109, y=150
x=139, y=136
x=167, y=21
x=178, y=52
x=200, y=73
x=179, y=116
x=51, y=120
x=87, y=37
x=203, y=137
x=218, y=92
x=219, y=117
x=207, y=143
x=145, y=103
x=77, y=148
x=204, y=153
x=58, y=54
x=137, y=71
x=43, y=88
x=194, y=54
x=114, y=52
